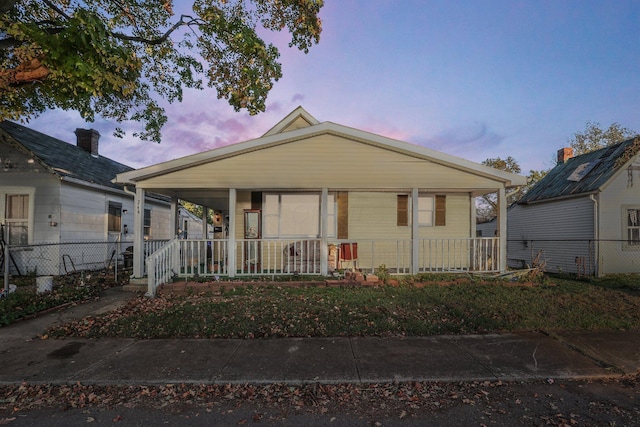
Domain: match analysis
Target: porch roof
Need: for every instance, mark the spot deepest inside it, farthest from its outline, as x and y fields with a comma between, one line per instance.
x=300, y=126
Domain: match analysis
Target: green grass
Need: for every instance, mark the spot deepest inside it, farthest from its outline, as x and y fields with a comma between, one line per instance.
x=263, y=312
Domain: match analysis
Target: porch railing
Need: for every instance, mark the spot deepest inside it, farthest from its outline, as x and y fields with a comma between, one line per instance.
x=270, y=257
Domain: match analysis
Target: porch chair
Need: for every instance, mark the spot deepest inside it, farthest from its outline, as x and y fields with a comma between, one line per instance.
x=348, y=253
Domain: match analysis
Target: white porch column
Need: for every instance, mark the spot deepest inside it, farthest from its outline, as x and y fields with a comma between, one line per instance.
x=205, y=223
x=415, y=233
x=502, y=228
x=174, y=217
x=324, y=224
x=231, y=251
x=138, y=233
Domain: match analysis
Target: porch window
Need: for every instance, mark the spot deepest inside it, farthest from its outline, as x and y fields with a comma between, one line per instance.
x=114, y=217
x=17, y=219
x=296, y=216
x=633, y=227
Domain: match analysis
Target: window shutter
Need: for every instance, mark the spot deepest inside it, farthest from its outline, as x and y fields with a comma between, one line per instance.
x=403, y=210
x=342, y=198
x=441, y=210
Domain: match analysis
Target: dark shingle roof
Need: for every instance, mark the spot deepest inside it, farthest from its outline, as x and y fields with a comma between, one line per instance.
x=582, y=174
x=66, y=160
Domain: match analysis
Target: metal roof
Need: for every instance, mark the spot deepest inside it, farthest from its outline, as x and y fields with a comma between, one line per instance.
x=584, y=174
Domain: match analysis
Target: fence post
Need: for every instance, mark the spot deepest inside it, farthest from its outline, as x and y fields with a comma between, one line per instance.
x=6, y=269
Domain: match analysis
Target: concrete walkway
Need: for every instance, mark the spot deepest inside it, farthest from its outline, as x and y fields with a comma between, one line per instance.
x=510, y=356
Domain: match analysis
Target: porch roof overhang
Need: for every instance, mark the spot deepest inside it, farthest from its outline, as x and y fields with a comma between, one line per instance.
x=275, y=138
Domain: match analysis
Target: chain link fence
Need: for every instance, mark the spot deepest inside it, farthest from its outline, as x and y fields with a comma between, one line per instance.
x=55, y=259
x=578, y=257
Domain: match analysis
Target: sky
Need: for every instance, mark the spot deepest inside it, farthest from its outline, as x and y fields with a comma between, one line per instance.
x=477, y=79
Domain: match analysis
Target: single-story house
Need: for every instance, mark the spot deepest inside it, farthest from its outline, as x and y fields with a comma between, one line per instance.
x=583, y=216
x=53, y=193
x=310, y=197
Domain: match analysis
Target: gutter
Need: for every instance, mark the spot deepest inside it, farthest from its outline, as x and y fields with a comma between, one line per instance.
x=596, y=235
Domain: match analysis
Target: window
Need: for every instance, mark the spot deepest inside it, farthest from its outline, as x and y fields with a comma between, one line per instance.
x=114, y=217
x=296, y=215
x=633, y=227
x=17, y=219
x=425, y=211
x=431, y=210
x=147, y=223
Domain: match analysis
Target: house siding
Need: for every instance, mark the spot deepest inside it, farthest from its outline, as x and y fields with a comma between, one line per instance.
x=614, y=255
x=559, y=231
x=322, y=161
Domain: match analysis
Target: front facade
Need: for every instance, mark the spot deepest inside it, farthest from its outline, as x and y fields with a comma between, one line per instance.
x=311, y=197
x=53, y=193
x=582, y=218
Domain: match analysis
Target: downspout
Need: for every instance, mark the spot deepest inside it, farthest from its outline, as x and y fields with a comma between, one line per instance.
x=596, y=235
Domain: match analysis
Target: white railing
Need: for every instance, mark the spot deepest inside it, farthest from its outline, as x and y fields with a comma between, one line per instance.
x=162, y=265
x=270, y=257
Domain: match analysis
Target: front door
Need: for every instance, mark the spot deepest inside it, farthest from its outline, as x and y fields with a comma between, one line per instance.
x=252, y=236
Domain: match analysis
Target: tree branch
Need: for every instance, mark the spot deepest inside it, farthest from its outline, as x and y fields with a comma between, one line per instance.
x=163, y=38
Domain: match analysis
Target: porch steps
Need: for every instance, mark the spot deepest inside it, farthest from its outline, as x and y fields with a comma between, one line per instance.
x=136, y=285
x=192, y=288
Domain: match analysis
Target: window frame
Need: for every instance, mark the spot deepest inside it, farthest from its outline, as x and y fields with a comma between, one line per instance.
x=18, y=191
x=114, y=205
x=627, y=243
x=146, y=221
x=269, y=215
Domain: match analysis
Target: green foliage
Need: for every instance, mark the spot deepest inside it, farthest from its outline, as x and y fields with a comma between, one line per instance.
x=594, y=137
x=488, y=203
x=114, y=58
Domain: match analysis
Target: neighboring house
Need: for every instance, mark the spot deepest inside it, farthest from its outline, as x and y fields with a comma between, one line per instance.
x=189, y=225
x=583, y=216
x=309, y=197
x=488, y=228
x=53, y=192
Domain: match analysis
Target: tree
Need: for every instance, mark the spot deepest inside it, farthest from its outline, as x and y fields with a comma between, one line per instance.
x=593, y=137
x=488, y=203
x=112, y=57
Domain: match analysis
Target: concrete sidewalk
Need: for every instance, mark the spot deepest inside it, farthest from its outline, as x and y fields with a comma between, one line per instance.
x=509, y=356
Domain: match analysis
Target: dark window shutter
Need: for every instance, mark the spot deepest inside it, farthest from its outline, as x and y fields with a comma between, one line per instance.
x=343, y=214
x=441, y=210
x=403, y=210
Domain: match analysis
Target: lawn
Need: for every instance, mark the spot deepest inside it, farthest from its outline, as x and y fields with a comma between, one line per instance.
x=412, y=309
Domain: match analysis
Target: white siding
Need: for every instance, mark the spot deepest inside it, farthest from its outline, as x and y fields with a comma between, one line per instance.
x=560, y=231
x=620, y=193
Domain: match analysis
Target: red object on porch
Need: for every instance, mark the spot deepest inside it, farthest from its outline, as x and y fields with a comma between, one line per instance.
x=348, y=251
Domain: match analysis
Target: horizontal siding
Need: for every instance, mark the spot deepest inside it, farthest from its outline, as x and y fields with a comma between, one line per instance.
x=322, y=161
x=558, y=231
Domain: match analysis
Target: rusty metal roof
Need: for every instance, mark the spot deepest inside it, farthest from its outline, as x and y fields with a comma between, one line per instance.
x=584, y=174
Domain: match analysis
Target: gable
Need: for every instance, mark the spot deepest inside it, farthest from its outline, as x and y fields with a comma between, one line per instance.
x=324, y=160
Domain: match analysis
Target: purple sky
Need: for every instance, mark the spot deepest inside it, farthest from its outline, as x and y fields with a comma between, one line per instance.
x=476, y=79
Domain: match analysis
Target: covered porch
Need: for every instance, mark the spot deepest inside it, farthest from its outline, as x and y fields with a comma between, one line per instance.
x=311, y=198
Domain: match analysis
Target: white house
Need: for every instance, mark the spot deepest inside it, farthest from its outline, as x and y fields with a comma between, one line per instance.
x=583, y=216
x=54, y=192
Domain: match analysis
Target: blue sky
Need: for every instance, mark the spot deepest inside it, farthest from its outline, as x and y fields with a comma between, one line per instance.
x=476, y=79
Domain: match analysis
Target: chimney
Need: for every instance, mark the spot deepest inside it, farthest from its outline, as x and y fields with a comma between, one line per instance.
x=564, y=154
x=87, y=139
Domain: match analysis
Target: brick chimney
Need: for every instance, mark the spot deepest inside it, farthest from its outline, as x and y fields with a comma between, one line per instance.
x=87, y=139
x=564, y=154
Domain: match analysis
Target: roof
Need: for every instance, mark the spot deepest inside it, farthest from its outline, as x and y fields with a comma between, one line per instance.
x=300, y=125
x=584, y=174
x=64, y=159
